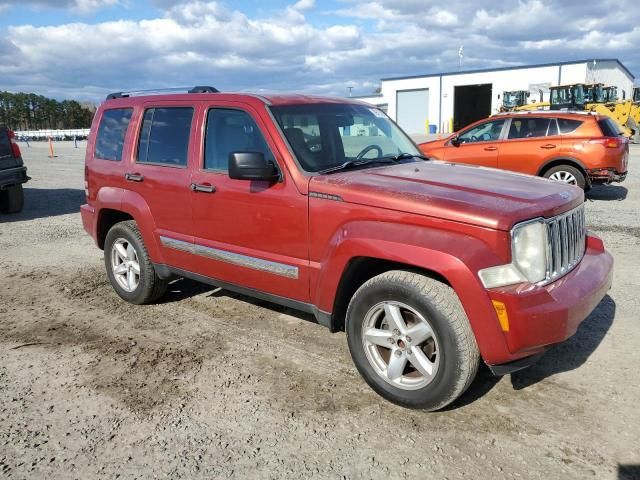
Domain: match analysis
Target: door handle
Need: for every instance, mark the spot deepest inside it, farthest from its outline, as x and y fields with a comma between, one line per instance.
x=133, y=177
x=490, y=149
x=204, y=188
x=548, y=146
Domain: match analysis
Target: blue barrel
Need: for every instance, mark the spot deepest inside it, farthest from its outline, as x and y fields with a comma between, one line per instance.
x=433, y=129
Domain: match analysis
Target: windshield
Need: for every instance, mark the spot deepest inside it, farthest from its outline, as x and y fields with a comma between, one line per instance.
x=327, y=135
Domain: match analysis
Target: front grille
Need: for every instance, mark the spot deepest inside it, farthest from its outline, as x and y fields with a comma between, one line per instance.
x=566, y=235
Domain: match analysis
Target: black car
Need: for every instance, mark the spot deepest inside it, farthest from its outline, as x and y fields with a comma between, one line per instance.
x=13, y=173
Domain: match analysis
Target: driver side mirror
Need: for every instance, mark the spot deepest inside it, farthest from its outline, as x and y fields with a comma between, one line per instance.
x=455, y=141
x=251, y=166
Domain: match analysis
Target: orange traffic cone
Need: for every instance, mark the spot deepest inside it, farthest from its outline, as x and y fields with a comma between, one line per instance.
x=51, y=154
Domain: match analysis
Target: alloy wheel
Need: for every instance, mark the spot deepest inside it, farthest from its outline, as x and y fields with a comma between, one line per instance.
x=400, y=345
x=563, y=177
x=125, y=264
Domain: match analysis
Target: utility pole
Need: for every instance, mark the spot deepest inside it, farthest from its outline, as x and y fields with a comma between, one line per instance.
x=350, y=88
x=460, y=52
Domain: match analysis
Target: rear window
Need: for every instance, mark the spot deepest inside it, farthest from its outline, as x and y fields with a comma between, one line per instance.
x=164, y=137
x=5, y=144
x=111, y=133
x=609, y=127
x=567, y=125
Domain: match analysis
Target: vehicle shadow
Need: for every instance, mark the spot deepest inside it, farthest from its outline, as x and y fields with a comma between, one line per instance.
x=574, y=352
x=607, y=193
x=183, y=288
x=46, y=202
x=564, y=357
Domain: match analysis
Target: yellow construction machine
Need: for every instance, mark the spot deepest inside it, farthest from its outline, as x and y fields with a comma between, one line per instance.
x=598, y=99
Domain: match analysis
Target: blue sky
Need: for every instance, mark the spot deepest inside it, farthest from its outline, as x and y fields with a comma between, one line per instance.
x=85, y=48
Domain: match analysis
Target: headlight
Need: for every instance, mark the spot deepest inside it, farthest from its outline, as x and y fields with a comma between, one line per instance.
x=528, y=258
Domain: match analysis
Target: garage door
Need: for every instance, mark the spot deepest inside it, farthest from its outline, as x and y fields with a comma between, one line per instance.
x=413, y=110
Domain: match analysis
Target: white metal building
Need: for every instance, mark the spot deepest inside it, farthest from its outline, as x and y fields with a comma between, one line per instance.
x=449, y=101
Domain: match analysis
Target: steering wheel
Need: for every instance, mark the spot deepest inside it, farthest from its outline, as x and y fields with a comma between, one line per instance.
x=474, y=138
x=367, y=149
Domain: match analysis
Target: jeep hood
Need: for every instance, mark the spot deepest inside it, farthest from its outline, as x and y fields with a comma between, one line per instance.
x=476, y=195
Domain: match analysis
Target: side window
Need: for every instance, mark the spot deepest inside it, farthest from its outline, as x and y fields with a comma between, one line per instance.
x=5, y=145
x=527, y=127
x=111, y=133
x=485, y=132
x=164, y=136
x=230, y=131
x=567, y=126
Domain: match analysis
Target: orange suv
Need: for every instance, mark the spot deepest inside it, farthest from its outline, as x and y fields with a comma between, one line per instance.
x=570, y=147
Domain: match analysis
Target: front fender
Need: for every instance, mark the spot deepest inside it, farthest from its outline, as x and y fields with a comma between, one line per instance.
x=456, y=256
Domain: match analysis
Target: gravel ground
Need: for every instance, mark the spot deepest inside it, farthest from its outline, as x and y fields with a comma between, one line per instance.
x=210, y=384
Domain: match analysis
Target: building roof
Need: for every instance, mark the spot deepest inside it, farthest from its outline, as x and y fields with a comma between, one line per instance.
x=499, y=69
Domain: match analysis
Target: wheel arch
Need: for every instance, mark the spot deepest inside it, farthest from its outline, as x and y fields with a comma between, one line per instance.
x=452, y=259
x=571, y=161
x=126, y=205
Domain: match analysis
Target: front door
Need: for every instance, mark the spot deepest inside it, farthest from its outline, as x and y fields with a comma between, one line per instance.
x=249, y=233
x=478, y=145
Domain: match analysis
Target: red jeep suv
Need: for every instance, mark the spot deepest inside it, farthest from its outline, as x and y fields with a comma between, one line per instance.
x=326, y=206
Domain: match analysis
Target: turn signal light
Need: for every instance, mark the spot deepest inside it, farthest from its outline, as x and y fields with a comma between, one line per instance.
x=503, y=317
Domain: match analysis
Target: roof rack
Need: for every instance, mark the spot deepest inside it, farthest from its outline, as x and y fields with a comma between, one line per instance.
x=538, y=112
x=136, y=93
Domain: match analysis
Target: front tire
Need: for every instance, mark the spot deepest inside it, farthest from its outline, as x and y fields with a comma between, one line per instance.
x=129, y=267
x=411, y=341
x=12, y=199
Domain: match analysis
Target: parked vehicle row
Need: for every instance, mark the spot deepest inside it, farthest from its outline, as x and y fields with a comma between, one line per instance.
x=326, y=206
x=574, y=148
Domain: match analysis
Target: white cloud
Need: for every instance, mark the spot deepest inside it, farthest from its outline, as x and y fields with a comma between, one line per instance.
x=302, y=5
x=201, y=42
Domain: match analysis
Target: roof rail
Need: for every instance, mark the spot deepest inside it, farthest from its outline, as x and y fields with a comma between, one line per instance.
x=538, y=112
x=136, y=93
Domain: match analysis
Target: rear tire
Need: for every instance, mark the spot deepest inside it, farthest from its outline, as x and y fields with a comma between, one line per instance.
x=567, y=174
x=411, y=341
x=12, y=199
x=129, y=267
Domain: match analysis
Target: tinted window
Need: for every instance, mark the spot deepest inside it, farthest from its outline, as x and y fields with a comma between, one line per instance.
x=485, y=132
x=609, y=127
x=231, y=131
x=527, y=127
x=164, y=137
x=111, y=133
x=568, y=126
x=5, y=145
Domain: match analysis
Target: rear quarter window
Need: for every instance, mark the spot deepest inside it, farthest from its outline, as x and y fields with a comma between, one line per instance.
x=609, y=127
x=567, y=125
x=111, y=134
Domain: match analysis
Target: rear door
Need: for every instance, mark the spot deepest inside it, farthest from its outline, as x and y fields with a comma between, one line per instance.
x=158, y=171
x=530, y=142
x=479, y=145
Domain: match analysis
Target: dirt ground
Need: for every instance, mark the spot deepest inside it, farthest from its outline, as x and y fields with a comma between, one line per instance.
x=210, y=384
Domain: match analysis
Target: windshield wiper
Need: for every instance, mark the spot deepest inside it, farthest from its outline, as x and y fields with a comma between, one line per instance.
x=407, y=156
x=357, y=163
